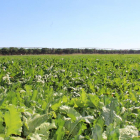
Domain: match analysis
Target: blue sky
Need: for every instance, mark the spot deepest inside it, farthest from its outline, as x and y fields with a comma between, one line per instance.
x=70, y=23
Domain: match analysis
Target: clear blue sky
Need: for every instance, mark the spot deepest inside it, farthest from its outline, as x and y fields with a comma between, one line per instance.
x=70, y=23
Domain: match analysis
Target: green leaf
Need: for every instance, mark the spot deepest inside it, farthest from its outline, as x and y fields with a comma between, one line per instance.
x=44, y=128
x=34, y=136
x=17, y=138
x=83, y=97
x=34, y=122
x=56, y=105
x=109, y=116
x=114, y=105
x=34, y=95
x=1, y=102
x=97, y=132
x=13, y=121
x=133, y=97
x=112, y=132
x=61, y=130
x=1, y=124
x=64, y=99
x=94, y=99
x=107, y=100
x=79, y=137
x=72, y=127
x=71, y=112
x=28, y=88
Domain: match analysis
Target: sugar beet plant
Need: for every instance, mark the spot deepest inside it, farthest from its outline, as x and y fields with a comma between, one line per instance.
x=83, y=97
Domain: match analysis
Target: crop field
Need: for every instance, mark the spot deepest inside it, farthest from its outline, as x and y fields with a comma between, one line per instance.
x=70, y=97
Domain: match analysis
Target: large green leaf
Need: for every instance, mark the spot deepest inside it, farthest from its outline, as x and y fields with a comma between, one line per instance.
x=44, y=128
x=72, y=127
x=112, y=132
x=42, y=132
x=13, y=121
x=71, y=112
x=97, y=132
x=31, y=123
x=110, y=116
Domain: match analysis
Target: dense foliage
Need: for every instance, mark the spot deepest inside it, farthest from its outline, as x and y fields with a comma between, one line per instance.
x=83, y=97
x=23, y=51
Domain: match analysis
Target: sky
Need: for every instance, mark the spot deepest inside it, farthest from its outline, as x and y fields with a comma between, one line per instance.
x=100, y=24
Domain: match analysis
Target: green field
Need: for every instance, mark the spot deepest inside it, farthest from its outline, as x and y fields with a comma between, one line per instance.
x=70, y=97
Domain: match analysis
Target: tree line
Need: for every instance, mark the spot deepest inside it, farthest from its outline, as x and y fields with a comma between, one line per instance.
x=35, y=51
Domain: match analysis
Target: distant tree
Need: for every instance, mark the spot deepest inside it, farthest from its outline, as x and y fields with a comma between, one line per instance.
x=44, y=50
x=22, y=51
x=79, y=51
x=36, y=51
x=52, y=51
x=131, y=51
x=30, y=51
x=66, y=51
x=58, y=51
x=138, y=51
x=72, y=51
x=13, y=50
x=5, y=51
